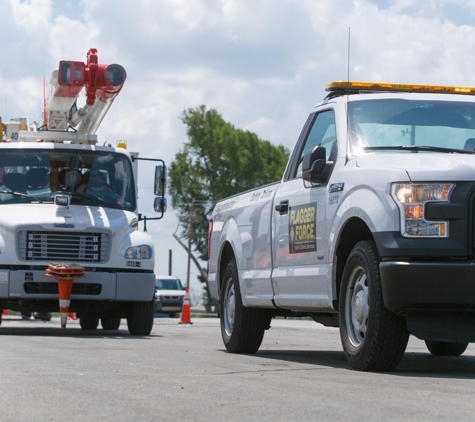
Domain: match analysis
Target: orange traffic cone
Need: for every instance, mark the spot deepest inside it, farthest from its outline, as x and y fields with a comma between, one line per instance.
x=5, y=312
x=71, y=315
x=185, y=310
x=65, y=274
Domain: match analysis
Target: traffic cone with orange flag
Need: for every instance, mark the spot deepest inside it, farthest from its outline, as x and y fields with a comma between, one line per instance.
x=65, y=274
x=185, y=310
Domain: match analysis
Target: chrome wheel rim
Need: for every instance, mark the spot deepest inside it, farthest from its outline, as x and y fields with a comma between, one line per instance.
x=357, y=306
x=229, y=306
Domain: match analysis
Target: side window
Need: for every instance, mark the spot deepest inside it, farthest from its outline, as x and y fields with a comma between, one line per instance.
x=321, y=133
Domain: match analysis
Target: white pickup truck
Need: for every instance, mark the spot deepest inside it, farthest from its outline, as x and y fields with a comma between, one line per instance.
x=372, y=228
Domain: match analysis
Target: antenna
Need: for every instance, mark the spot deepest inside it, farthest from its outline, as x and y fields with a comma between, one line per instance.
x=349, y=44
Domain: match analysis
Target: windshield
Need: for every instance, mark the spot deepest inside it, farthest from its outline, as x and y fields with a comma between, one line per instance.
x=88, y=177
x=397, y=122
x=168, y=284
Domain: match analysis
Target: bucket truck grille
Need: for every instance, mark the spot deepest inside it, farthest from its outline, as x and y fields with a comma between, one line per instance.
x=63, y=246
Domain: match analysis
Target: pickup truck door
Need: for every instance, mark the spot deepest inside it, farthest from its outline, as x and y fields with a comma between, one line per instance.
x=300, y=256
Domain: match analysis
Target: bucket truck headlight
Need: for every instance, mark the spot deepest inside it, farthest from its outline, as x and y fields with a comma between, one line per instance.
x=411, y=200
x=138, y=252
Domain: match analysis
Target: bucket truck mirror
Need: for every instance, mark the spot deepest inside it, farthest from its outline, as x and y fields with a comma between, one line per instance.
x=160, y=180
x=160, y=204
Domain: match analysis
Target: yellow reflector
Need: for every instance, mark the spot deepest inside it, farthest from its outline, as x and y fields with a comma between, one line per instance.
x=122, y=144
x=379, y=86
x=442, y=229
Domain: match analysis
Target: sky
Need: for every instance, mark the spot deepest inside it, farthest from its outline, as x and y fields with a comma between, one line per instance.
x=262, y=64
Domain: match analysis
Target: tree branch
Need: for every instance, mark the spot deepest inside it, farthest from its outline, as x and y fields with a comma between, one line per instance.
x=203, y=273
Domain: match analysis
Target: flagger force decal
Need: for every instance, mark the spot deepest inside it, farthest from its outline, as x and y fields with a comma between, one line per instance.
x=302, y=229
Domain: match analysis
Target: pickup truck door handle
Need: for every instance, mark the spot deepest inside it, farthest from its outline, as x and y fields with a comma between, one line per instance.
x=283, y=207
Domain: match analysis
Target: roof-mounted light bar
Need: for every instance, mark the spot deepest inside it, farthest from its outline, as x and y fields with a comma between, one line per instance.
x=379, y=86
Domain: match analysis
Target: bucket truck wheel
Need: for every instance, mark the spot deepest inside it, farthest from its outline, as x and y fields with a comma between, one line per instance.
x=140, y=316
x=172, y=314
x=373, y=338
x=242, y=328
x=43, y=316
x=443, y=348
x=88, y=322
x=110, y=323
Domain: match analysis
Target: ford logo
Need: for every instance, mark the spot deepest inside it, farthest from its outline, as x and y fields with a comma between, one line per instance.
x=64, y=226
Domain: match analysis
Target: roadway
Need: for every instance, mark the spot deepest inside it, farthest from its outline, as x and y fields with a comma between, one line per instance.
x=183, y=373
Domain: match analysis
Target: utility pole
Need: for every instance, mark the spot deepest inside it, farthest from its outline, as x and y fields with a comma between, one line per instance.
x=169, y=262
x=190, y=233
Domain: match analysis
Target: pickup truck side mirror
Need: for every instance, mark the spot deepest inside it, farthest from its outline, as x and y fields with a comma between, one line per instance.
x=315, y=167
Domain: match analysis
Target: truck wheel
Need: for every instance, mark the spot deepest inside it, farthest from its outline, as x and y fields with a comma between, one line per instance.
x=242, y=328
x=140, y=316
x=42, y=316
x=373, y=338
x=88, y=322
x=110, y=323
x=443, y=348
x=171, y=314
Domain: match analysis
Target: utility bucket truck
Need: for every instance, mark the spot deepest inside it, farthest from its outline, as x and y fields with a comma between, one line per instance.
x=67, y=202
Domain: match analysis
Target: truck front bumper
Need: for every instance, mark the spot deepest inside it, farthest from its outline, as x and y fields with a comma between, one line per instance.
x=437, y=299
x=448, y=286
x=96, y=286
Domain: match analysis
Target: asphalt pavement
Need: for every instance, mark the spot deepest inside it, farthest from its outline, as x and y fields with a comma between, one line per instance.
x=183, y=373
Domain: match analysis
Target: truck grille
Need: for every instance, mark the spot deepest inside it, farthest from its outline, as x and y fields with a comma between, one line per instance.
x=91, y=289
x=63, y=246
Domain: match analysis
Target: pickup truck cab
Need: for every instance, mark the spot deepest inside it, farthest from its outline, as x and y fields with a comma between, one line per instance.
x=370, y=229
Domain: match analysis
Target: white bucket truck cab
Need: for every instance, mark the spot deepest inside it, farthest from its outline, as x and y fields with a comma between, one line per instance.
x=66, y=199
x=372, y=227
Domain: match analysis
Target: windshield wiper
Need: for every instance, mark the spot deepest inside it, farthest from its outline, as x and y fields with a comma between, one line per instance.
x=24, y=195
x=418, y=148
x=95, y=199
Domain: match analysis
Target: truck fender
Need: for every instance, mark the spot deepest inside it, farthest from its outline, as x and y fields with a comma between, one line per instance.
x=230, y=235
x=366, y=205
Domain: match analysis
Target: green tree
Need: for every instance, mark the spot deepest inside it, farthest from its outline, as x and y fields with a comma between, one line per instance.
x=217, y=161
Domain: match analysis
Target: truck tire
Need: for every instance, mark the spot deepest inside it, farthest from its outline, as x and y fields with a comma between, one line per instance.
x=109, y=323
x=373, y=338
x=43, y=316
x=88, y=322
x=140, y=316
x=172, y=314
x=443, y=348
x=242, y=328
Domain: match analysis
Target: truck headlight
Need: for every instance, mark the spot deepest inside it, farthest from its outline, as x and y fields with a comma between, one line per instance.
x=138, y=252
x=411, y=200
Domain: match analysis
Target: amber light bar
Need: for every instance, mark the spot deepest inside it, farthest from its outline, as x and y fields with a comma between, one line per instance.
x=379, y=86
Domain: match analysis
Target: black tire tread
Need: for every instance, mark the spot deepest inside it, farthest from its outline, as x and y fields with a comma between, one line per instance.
x=391, y=334
x=110, y=323
x=88, y=322
x=443, y=348
x=249, y=323
x=140, y=316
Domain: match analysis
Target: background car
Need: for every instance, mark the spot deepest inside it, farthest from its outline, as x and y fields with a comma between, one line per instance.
x=169, y=294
